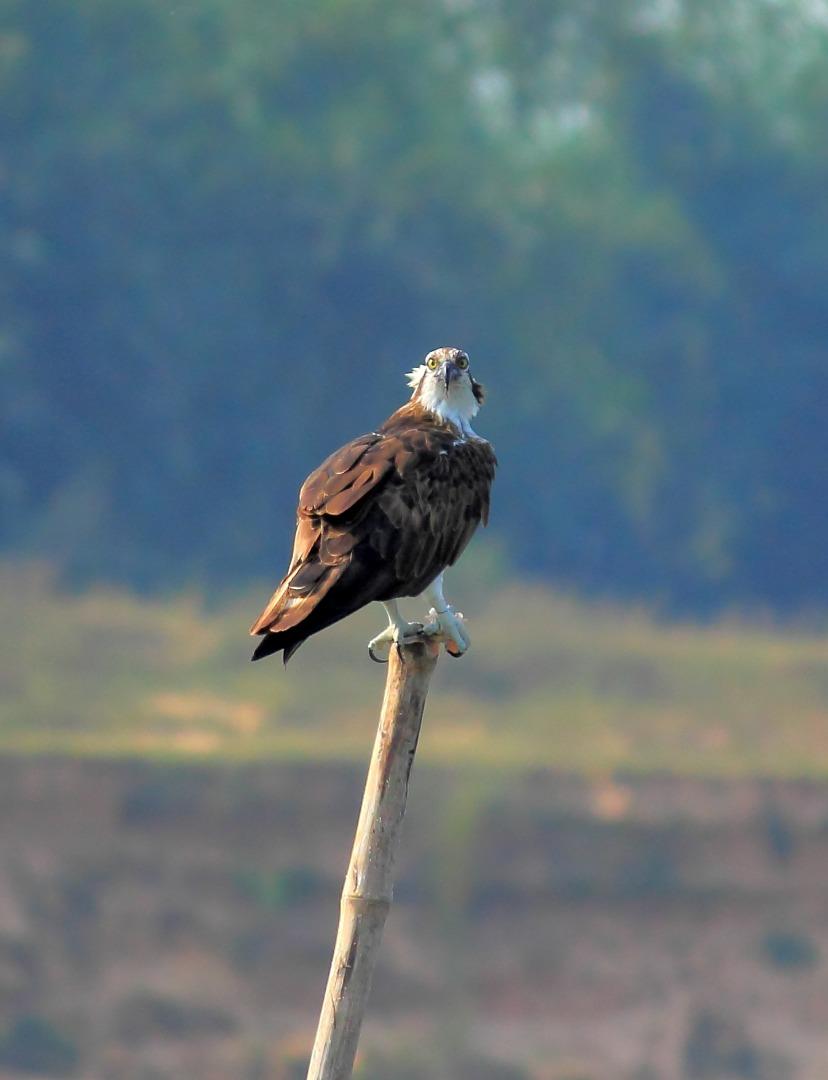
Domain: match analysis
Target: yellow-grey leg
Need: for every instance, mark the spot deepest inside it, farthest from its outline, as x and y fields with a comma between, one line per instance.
x=444, y=620
x=398, y=630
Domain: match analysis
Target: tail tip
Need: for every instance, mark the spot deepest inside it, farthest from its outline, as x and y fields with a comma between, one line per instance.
x=267, y=647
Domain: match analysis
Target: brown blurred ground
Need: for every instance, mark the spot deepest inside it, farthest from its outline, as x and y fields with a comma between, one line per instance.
x=171, y=921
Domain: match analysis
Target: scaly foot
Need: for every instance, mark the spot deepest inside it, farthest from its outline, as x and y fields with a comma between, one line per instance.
x=379, y=648
x=450, y=625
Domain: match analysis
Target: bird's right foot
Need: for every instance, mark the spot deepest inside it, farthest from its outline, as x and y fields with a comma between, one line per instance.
x=379, y=647
x=450, y=627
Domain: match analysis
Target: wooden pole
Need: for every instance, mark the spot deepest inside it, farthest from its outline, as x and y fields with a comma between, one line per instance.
x=367, y=893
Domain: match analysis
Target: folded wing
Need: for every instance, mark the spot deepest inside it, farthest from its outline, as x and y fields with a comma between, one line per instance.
x=380, y=518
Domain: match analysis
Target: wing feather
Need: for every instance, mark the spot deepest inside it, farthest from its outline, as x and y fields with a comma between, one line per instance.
x=336, y=544
x=380, y=518
x=346, y=499
x=335, y=473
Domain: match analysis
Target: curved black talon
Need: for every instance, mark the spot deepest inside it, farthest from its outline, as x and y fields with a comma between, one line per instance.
x=376, y=659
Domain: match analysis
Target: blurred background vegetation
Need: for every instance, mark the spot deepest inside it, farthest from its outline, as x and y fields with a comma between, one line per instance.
x=227, y=228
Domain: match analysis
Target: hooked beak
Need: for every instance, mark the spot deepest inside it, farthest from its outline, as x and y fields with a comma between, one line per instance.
x=451, y=373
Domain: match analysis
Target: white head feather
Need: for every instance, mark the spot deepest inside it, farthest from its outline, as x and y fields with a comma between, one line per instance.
x=457, y=403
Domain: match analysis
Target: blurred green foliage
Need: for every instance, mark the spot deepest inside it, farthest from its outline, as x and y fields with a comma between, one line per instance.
x=146, y=1014
x=226, y=229
x=550, y=682
x=278, y=889
x=790, y=950
x=32, y=1045
x=427, y=1062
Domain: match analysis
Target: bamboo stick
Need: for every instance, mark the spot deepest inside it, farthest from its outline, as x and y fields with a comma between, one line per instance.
x=367, y=893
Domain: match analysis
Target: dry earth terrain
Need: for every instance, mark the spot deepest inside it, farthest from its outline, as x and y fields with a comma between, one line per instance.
x=169, y=921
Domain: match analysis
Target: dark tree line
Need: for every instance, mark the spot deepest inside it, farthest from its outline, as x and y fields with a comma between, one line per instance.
x=227, y=228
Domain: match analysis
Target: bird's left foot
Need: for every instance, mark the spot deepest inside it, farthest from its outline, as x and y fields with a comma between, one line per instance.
x=379, y=648
x=451, y=627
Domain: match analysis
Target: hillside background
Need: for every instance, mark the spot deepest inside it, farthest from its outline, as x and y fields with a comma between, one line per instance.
x=227, y=230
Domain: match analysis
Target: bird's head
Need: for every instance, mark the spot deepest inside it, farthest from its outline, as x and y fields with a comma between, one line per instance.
x=443, y=384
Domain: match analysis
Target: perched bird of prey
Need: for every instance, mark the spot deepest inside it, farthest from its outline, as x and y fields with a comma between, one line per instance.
x=386, y=514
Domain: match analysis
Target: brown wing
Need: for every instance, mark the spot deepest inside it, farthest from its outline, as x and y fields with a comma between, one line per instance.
x=379, y=519
x=321, y=545
x=441, y=497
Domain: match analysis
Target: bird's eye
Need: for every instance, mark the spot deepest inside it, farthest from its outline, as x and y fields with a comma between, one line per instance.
x=462, y=362
x=432, y=363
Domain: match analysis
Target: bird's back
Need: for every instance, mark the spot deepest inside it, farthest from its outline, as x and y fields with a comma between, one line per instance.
x=379, y=519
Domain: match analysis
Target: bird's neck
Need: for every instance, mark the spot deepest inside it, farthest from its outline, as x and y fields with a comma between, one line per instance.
x=455, y=409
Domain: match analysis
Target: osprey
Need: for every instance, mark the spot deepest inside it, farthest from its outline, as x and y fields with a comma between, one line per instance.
x=385, y=515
